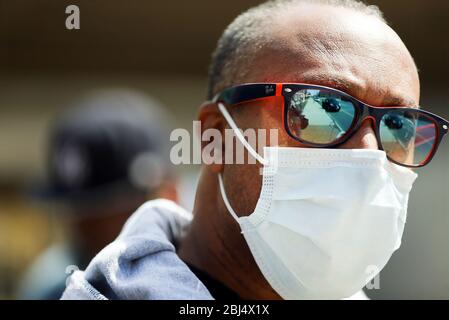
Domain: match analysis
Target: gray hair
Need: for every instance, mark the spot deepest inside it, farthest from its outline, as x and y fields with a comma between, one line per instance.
x=246, y=34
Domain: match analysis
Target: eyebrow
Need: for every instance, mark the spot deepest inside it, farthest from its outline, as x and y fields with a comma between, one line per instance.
x=354, y=89
x=393, y=101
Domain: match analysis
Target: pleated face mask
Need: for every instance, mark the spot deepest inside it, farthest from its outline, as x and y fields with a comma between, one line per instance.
x=325, y=218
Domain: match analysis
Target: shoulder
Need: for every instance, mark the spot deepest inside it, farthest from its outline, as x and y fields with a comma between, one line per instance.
x=142, y=262
x=161, y=213
x=157, y=223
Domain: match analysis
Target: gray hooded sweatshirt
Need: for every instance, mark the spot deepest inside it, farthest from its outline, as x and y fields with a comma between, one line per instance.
x=142, y=262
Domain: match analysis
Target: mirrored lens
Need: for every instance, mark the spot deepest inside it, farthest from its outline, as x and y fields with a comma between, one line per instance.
x=319, y=116
x=408, y=137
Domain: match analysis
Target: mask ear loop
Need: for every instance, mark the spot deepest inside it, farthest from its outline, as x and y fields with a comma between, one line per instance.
x=228, y=205
x=248, y=147
x=225, y=198
x=239, y=135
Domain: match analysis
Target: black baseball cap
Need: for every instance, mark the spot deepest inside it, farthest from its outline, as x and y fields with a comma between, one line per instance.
x=111, y=142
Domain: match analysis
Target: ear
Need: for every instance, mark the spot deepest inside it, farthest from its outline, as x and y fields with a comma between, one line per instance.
x=210, y=117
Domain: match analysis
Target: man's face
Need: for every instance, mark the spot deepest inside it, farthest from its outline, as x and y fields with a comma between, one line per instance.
x=334, y=47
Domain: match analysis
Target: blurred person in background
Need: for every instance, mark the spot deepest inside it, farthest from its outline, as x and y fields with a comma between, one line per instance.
x=108, y=155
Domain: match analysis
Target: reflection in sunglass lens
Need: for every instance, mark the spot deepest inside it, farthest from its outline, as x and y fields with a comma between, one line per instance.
x=407, y=137
x=319, y=116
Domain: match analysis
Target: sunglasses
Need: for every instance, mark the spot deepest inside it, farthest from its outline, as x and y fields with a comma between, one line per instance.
x=323, y=117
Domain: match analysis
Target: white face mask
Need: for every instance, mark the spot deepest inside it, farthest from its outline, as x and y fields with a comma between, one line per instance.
x=325, y=218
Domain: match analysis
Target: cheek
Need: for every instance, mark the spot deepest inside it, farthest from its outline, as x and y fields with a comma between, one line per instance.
x=244, y=181
x=267, y=115
x=244, y=187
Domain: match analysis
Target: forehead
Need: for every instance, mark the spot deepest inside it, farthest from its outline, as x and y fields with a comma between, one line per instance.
x=340, y=48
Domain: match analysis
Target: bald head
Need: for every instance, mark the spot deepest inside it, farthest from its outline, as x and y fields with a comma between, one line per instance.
x=316, y=41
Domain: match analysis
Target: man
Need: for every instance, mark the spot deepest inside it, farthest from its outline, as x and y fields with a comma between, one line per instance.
x=329, y=206
x=107, y=157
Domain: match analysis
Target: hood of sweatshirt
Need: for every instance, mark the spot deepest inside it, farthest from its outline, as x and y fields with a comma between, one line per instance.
x=141, y=263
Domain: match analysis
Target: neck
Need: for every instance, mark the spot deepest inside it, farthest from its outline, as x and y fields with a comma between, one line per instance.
x=215, y=245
